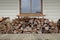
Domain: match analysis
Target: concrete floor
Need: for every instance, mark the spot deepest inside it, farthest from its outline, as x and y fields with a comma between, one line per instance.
x=29, y=36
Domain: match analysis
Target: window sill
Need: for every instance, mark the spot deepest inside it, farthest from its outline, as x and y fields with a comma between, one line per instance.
x=31, y=14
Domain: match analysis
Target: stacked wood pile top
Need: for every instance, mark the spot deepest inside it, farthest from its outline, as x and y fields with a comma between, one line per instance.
x=27, y=25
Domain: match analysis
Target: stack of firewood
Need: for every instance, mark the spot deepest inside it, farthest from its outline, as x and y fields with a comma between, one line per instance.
x=27, y=25
x=34, y=25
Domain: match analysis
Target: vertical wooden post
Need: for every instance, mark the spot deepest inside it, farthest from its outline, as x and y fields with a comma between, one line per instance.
x=30, y=6
x=42, y=6
x=19, y=8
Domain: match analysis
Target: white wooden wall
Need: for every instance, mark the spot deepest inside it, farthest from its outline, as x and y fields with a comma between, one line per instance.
x=51, y=8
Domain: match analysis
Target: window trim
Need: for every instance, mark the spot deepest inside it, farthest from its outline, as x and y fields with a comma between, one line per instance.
x=31, y=14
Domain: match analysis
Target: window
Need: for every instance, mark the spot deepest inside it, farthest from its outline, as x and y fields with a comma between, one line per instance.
x=25, y=5
x=30, y=7
x=36, y=6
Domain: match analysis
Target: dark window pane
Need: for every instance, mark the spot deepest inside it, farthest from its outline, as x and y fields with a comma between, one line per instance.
x=25, y=6
x=36, y=6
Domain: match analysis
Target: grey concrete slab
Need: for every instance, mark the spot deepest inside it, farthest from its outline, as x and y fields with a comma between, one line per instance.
x=29, y=36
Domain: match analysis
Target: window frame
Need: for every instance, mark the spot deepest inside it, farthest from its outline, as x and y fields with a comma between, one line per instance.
x=31, y=14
